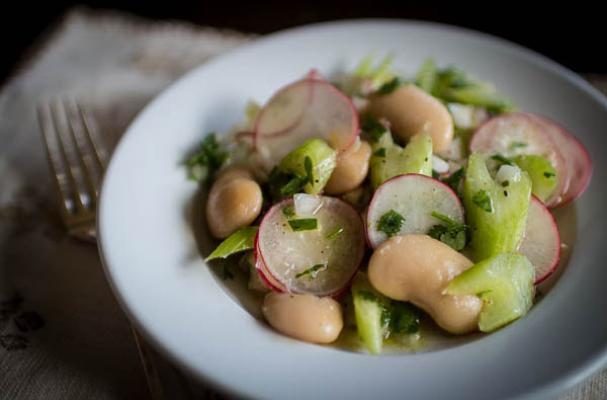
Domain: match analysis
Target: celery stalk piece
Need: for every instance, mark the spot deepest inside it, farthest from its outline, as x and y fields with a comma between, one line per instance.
x=241, y=240
x=543, y=175
x=389, y=159
x=505, y=284
x=496, y=211
x=377, y=74
x=479, y=96
x=314, y=160
x=369, y=309
x=426, y=76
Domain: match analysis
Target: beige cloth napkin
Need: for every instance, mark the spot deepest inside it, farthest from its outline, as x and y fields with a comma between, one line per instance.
x=62, y=335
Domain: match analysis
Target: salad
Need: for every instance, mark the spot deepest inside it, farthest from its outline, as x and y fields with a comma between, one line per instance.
x=365, y=207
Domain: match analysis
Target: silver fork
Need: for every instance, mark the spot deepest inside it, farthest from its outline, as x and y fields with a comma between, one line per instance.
x=78, y=159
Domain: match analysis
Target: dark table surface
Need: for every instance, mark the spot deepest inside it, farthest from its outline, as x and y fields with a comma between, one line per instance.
x=573, y=36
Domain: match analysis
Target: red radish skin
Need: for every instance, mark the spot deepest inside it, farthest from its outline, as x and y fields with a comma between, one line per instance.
x=274, y=144
x=315, y=74
x=263, y=272
x=355, y=250
x=542, y=241
x=576, y=157
x=438, y=186
x=489, y=138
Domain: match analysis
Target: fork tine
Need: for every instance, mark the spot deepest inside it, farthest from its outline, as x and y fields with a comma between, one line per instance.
x=68, y=149
x=86, y=146
x=93, y=137
x=54, y=153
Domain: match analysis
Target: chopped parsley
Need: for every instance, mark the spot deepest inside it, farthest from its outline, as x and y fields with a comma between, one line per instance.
x=312, y=271
x=397, y=317
x=207, y=160
x=549, y=174
x=452, y=233
x=505, y=183
x=335, y=234
x=454, y=179
x=374, y=129
x=483, y=201
x=517, y=145
x=389, y=86
x=308, y=166
x=293, y=185
x=381, y=152
x=285, y=184
x=288, y=211
x=390, y=223
x=445, y=218
x=304, y=224
x=403, y=318
x=501, y=159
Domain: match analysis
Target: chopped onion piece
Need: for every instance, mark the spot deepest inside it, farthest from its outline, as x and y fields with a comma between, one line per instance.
x=306, y=205
x=508, y=173
x=439, y=165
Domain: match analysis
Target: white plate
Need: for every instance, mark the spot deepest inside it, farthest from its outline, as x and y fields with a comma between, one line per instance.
x=152, y=261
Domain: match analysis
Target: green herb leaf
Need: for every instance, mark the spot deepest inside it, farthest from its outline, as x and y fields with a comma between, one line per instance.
x=549, y=174
x=454, y=179
x=483, y=201
x=452, y=238
x=288, y=211
x=308, y=166
x=390, y=223
x=445, y=218
x=294, y=185
x=241, y=240
x=381, y=152
x=207, y=160
x=404, y=318
x=312, y=272
x=304, y=224
x=390, y=86
x=335, y=234
x=285, y=184
x=452, y=233
x=502, y=160
x=374, y=129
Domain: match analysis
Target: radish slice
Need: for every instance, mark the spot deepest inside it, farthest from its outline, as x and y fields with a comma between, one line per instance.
x=310, y=107
x=579, y=165
x=320, y=261
x=542, y=242
x=519, y=133
x=414, y=197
